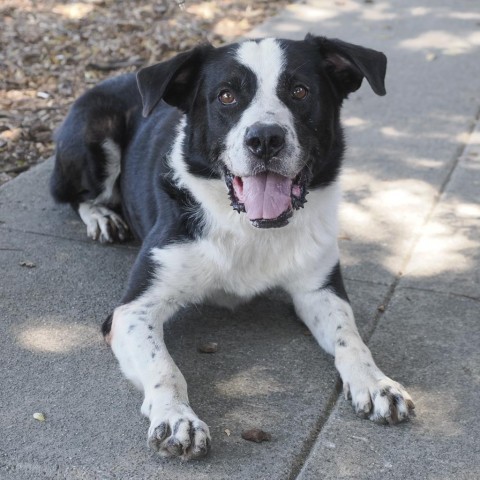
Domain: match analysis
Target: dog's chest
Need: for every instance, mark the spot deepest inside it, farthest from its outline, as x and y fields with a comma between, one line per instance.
x=244, y=260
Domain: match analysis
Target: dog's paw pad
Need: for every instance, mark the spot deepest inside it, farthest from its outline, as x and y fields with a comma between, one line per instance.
x=183, y=436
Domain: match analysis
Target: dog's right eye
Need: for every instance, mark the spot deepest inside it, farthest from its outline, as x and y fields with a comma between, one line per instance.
x=299, y=92
x=226, y=97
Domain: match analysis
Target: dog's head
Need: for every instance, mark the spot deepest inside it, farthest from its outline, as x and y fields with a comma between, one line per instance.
x=264, y=115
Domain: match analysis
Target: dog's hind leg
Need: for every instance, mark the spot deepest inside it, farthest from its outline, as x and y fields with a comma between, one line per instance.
x=98, y=214
x=88, y=158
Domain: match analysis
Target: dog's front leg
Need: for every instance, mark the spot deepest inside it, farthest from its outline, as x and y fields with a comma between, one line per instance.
x=327, y=313
x=136, y=338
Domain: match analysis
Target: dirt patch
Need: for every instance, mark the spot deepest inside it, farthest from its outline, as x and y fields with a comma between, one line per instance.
x=51, y=51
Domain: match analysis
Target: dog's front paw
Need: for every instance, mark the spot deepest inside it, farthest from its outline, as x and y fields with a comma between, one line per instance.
x=178, y=432
x=382, y=401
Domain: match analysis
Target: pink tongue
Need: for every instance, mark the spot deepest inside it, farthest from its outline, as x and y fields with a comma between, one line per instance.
x=266, y=195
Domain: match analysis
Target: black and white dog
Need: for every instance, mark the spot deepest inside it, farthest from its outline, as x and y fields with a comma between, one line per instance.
x=209, y=158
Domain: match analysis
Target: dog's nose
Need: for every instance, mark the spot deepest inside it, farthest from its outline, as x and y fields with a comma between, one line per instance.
x=265, y=140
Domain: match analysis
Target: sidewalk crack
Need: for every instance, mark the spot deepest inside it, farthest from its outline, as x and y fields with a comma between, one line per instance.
x=302, y=458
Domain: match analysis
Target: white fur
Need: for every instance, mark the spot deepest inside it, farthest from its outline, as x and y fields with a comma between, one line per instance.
x=331, y=321
x=235, y=259
x=248, y=261
x=240, y=259
x=266, y=60
x=100, y=220
x=137, y=341
x=113, y=154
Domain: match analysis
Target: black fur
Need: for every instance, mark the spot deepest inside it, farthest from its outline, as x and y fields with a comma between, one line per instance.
x=110, y=110
x=142, y=120
x=335, y=283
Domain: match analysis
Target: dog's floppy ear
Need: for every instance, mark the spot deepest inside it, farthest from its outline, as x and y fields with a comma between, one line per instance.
x=174, y=80
x=348, y=64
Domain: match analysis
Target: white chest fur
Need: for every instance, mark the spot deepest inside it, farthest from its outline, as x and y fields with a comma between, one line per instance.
x=235, y=257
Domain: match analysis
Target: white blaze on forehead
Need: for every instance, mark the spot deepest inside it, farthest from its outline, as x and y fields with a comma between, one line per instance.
x=265, y=59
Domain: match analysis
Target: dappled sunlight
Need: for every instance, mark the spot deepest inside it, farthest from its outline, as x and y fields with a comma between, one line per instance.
x=447, y=246
x=383, y=214
x=438, y=421
x=406, y=194
x=50, y=335
x=384, y=197
x=356, y=122
x=392, y=132
x=378, y=12
x=464, y=15
x=313, y=14
x=446, y=42
x=392, y=200
x=387, y=214
x=248, y=383
x=205, y=10
x=325, y=10
x=74, y=11
x=424, y=163
x=419, y=11
x=473, y=138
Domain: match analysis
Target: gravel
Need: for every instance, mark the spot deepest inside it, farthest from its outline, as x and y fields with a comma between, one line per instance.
x=51, y=51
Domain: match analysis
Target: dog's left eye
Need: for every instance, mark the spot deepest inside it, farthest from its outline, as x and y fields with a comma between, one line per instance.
x=299, y=92
x=227, y=97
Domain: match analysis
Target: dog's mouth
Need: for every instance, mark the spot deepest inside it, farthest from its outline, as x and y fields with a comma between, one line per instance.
x=267, y=198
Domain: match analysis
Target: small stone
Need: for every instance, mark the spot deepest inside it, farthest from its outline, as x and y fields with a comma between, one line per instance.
x=210, y=347
x=39, y=416
x=27, y=264
x=256, y=435
x=381, y=308
x=228, y=432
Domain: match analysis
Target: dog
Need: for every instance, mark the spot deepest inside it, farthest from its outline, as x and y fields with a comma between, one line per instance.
x=209, y=159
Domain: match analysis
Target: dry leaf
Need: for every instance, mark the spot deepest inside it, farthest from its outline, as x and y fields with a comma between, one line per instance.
x=210, y=347
x=46, y=47
x=256, y=435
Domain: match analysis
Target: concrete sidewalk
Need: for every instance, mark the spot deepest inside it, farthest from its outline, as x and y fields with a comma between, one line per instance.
x=410, y=243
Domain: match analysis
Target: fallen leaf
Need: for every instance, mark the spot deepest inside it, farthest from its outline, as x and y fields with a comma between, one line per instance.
x=256, y=435
x=210, y=347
